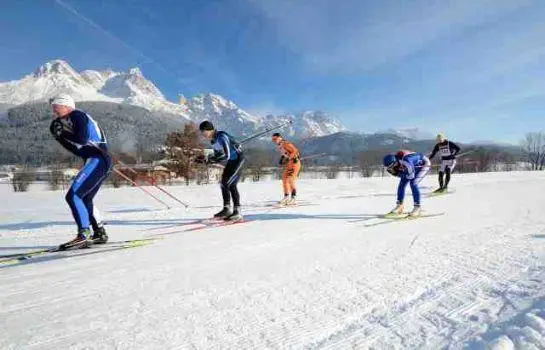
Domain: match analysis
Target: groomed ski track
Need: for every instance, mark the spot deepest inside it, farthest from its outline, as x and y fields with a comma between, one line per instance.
x=312, y=276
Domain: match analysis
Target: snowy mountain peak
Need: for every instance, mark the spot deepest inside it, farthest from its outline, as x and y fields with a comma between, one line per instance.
x=219, y=99
x=136, y=71
x=48, y=80
x=131, y=84
x=132, y=87
x=96, y=78
x=213, y=102
x=55, y=67
x=309, y=124
x=223, y=113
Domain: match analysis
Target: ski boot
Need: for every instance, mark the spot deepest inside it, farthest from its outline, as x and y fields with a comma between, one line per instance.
x=292, y=201
x=82, y=240
x=416, y=211
x=284, y=200
x=398, y=210
x=439, y=190
x=99, y=236
x=235, y=216
x=222, y=214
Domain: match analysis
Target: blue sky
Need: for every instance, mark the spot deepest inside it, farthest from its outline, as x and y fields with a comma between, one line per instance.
x=473, y=69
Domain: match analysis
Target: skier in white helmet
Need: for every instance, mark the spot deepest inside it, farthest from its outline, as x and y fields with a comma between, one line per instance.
x=448, y=151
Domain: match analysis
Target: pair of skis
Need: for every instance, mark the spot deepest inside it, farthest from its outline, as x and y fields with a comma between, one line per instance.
x=289, y=205
x=440, y=193
x=213, y=223
x=16, y=258
x=390, y=218
x=12, y=259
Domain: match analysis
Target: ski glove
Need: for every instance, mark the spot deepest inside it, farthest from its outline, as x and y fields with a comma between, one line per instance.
x=393, y=171
x=295, y=160
x=282, y=160
x=56, y=128
x=218, y=157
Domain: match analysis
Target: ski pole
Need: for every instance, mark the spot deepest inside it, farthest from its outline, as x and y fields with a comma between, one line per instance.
x=468, y=162
x=104, y=152
x=265, y=131
x=314, y=156
x=151, y=183
x=466, y=153
x=142, y=188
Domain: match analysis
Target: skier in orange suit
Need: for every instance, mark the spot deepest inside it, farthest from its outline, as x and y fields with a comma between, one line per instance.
x=292, y=165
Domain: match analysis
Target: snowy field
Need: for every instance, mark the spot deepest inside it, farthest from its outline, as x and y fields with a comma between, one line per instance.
x=326, y=275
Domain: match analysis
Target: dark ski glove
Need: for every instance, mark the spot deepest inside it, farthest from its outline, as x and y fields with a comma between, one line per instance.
x=56, y=128
x=395, y=171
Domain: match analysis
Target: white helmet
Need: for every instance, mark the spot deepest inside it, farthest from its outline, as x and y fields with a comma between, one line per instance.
x=63, y=100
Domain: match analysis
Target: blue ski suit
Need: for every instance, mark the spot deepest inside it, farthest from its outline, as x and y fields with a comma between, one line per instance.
x=412, y=167
x=82, y=136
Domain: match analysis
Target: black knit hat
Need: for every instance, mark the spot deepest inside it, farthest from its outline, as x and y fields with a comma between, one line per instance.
x=276, y=134
x=206, y=125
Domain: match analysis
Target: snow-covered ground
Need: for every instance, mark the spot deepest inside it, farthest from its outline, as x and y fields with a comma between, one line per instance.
x=322, y=275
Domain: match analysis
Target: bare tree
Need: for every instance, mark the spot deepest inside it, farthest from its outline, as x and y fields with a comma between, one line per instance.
x=508, y=160
x=126, y=158
x=370, y=162
x=277, y=173
x=484, y=159
x=116, y=180
x=533, y=147
x=56, y=178
x=332, y=171
x=22, y=179
x=258, y=160
x=182, y=148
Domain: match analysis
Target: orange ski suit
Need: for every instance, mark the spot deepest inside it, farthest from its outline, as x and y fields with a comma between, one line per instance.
x=292, y=165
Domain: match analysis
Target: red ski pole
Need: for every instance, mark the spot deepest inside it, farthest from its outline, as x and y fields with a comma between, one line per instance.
x=143, y=189
x=150, y=181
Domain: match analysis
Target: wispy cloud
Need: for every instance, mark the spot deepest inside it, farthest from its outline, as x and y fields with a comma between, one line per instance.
x=438, y=65
x=195, y=58
x=110, y=35
x=361, y=35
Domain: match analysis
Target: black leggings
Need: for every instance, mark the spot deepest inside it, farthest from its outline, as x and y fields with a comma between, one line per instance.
x=447, y=178
x=229, y=181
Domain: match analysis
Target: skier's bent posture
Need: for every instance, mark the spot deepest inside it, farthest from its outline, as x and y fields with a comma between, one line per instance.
x=226, y=149
x=77, y=132
x=410, y=167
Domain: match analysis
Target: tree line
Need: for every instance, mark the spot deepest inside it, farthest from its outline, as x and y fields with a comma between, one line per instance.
x=182, y=147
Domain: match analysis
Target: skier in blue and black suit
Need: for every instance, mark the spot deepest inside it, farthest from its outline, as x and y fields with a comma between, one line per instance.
x=77, y=132
x=226, y=149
